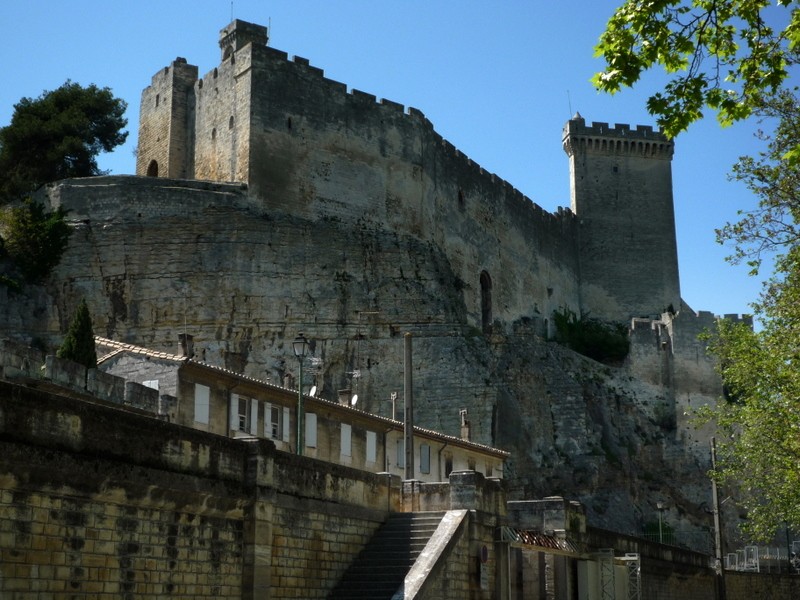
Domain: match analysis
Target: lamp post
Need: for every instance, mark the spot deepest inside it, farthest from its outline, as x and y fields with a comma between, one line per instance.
x=300, y=347
x=661, y=508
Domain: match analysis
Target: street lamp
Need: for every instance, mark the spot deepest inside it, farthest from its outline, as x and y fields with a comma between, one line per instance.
x=661, y=508
x=300, y=347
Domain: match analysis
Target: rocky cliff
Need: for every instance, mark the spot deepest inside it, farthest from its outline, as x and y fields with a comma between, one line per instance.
x=156, y=258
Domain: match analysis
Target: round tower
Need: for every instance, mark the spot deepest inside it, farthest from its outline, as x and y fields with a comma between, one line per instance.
x=621, y=193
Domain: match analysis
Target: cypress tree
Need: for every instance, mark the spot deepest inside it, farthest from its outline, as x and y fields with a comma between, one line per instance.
x=78, y=345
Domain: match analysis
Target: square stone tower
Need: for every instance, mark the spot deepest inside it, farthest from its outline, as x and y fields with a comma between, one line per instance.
x=192, y=128
x=166, y=123
x=621, y=192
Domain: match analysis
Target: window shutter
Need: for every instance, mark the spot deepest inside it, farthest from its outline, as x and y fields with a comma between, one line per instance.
x=311, y=430
x=286, y=426
x=234, y=412
x=267, y=420
x=372, y=447
x=346, y=440
x=201, y=402
x=424, y=458
x=254, y=416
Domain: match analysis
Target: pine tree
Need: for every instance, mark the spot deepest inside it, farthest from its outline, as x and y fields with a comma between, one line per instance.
x=78, y=345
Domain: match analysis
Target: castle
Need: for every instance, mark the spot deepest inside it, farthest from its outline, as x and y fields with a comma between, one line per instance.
x=271, y=200
x=304, y=144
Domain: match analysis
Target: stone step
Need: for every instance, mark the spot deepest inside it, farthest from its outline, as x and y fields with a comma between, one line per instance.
x=381, y=567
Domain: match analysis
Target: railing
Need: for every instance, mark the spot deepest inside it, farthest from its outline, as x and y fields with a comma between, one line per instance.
x=763, y=559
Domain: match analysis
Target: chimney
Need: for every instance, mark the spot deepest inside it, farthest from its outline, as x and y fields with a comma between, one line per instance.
x=464, y=425
x=344, y=397
x=187, y=344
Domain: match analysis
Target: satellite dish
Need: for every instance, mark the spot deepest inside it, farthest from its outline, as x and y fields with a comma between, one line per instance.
x=353, y=400
x=313, y=391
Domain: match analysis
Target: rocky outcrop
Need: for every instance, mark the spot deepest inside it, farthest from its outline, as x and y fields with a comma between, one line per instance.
x=158, y=258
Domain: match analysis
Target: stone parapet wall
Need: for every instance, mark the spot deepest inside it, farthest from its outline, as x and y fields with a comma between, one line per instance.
x=99, y=502
x=313, y=543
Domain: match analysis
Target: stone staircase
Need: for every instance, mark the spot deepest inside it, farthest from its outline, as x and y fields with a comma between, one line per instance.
x=380, y=568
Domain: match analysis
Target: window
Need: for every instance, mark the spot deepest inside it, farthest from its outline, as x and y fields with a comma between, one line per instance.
x=424, y=458
x=276, y=422
x=346, y=440
x=201, y=397
x=311, y=430
x=244, y=414
x=401, y=454
x=152, y=169
x=372, y=447
x=448, y=464
x=486, y=302
x=230, y=123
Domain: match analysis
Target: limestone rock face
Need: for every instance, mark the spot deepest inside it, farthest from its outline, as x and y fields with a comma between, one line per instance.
x=158, y=258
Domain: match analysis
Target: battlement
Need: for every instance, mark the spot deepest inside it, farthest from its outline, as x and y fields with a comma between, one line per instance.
x=339, y=93
x=735, y=318
x=240, y=33
x=599, y=137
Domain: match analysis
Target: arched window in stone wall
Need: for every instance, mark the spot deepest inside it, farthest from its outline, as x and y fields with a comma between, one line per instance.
x=228, y=52
x=230, y=123
x=152, y=169
x=486, y=302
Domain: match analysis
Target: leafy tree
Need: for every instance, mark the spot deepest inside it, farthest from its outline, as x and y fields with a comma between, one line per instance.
x=34, y=239
x=58, y=135
x=760, y=420
x=78, y=345
x=721, y=54
x=772, y=226
x=725, y=55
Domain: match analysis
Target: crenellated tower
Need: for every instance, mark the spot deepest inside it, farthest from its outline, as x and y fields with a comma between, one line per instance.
x=621, y=192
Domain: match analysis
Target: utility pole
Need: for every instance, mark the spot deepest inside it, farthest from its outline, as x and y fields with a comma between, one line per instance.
x=409, y=401
x=720, y=574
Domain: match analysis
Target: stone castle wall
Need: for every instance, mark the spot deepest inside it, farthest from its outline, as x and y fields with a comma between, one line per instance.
x=308, y=146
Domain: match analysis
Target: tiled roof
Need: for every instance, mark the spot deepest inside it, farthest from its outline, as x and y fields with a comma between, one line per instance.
x=539, y=540
x=113, y=348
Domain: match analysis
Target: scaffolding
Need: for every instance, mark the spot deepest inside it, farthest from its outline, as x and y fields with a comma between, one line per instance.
x=633, y=568
x=605, y=562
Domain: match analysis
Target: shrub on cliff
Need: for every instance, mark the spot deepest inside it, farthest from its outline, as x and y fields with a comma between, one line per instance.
x=78, y=345
x=603, y=342
x=33, y=239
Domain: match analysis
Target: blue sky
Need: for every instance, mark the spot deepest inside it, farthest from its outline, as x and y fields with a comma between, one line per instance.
x=497, y=79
